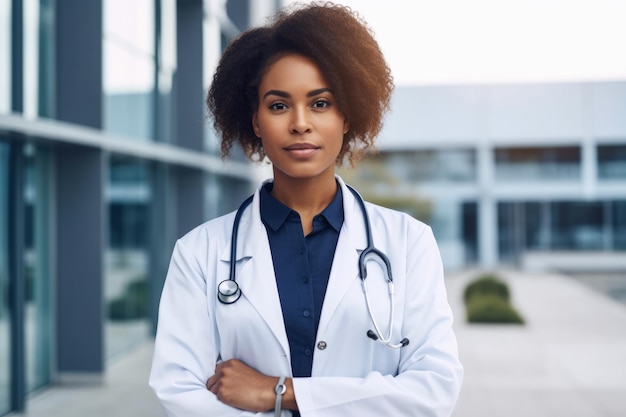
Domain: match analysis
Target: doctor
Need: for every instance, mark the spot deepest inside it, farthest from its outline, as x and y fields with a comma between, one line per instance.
x=297, y=329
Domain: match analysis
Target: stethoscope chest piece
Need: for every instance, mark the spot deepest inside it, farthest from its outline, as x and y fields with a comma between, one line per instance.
x=228, y=291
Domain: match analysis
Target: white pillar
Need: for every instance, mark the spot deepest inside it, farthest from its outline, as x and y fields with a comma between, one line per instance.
x=487, y=232
x=487, y=212
x=589, y=159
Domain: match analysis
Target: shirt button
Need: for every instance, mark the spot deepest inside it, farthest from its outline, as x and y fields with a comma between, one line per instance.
x=308, y=352
x=306, y=313
x=305, y=279
x=321, y=345
x=300, y=251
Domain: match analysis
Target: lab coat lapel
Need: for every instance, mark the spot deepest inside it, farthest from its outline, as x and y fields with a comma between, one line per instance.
x=352, y=240
x=256, y=276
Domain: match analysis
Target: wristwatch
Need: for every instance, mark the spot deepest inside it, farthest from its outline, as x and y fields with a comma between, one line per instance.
x=280, y=389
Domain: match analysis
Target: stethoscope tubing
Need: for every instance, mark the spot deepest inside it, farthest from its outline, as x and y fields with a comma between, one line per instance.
x=229, y=292
x=370, y=250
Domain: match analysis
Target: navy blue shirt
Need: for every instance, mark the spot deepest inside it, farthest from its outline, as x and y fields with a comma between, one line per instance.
x=302, y=268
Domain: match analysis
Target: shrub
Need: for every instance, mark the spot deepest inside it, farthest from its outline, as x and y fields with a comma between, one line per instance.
x=487, y=301
x=490, y=308
x=487, y=285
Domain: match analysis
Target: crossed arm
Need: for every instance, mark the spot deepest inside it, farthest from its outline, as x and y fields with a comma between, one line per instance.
x=238, y=385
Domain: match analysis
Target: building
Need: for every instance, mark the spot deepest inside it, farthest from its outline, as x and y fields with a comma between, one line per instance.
x=105, y=159
x=506, y=172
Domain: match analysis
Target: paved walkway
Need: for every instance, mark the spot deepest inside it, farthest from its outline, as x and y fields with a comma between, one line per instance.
x=124, y=392
x=568, y=360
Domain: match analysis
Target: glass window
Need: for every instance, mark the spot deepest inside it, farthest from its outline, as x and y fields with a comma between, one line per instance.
x=37, y=266
x=612, y=161
x=450, y=165
x=538, y=163
x=31, y=57
x=38, y=50
x=129, y=67
x=127, y=256
x=563, y=225
x=469, y=213
x=5, y=57
x=508, y=239
x=519, y=228
x=5, y=332
x=217, y=30
x=577, y=225
x=522, y=226
x=535, y=226
x=619, y=225
x=166, y=70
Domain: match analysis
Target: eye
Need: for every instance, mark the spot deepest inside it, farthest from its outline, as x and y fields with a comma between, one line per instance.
x=321, y=103
x=277, y=106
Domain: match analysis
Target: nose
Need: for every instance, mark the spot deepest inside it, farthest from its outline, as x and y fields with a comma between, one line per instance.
x=300, y=122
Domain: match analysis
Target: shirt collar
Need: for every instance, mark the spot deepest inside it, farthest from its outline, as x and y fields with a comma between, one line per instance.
x=274, y=213
x=333, y=213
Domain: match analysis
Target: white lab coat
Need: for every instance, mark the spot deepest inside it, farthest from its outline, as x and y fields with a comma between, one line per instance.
x=353, y=375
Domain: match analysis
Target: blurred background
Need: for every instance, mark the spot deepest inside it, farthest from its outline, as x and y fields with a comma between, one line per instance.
x=507, y=135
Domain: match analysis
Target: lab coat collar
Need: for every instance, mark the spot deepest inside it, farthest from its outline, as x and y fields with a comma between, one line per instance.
x=352, y=240
x=255, y=271
x=256, y=274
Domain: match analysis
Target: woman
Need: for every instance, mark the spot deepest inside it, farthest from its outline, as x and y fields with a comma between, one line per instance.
x=307, y=92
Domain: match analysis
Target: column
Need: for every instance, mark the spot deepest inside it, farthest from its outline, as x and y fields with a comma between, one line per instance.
x=80, y=176
x=189, y=131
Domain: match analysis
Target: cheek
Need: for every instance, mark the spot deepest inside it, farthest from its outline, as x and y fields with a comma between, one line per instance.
x=338, y=132
x=267, y=124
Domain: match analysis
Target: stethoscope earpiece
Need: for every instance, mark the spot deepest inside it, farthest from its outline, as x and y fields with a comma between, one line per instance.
x=373, y=336
x=371, y=253
x=228, y=291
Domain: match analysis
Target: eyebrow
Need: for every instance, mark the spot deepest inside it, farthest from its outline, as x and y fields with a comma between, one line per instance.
x=284, y=94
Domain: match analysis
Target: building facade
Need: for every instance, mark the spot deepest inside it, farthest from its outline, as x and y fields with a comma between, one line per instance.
x=106, y=158
x=503, y=172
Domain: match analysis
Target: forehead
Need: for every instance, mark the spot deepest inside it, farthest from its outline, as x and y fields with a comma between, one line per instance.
x=292, y=71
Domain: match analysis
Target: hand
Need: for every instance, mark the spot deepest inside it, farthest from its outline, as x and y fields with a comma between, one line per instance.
x=238, y=385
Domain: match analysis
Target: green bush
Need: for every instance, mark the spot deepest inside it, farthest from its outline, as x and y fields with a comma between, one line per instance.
x=487, y=285
x=491, y=308
x=487, y=301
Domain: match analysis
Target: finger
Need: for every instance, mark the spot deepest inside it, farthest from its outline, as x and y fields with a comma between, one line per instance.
x=227, y=364
x=213, y=387
x=212, y=382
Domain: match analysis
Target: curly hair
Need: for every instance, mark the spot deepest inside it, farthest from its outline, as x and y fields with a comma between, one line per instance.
x=343, y=47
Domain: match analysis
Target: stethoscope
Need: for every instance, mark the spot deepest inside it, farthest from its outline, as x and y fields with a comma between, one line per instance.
x=228, y=291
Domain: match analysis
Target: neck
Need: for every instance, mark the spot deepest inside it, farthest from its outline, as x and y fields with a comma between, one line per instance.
x=308, y=197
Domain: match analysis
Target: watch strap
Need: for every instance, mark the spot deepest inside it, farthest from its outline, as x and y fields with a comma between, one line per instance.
x=280, y=389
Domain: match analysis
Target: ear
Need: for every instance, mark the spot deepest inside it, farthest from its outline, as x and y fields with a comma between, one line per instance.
x=255, y=125
x=346, y=125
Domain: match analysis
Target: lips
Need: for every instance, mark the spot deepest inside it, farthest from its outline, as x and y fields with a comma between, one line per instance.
x=302, y=150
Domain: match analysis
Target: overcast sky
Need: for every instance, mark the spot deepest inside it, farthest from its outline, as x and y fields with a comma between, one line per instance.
x=491, y=41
